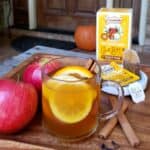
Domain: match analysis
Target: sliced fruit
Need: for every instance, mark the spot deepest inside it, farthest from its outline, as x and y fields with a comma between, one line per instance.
x=81, y=71
x=70, y=102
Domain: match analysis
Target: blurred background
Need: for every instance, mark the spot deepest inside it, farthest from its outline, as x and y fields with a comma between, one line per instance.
x=48, y=22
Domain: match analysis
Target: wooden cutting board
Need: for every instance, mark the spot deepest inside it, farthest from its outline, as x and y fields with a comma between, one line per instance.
x=34, y=135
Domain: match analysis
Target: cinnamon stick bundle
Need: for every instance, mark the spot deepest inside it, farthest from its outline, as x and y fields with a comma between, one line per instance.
x=110, y=125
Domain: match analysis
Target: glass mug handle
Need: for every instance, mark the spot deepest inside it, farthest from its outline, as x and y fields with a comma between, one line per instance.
x=119, y=93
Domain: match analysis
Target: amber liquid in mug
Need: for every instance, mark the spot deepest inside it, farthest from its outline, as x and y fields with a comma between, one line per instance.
x=70, y=109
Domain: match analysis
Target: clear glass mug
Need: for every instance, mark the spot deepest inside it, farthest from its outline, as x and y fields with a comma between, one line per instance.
x=71, y=98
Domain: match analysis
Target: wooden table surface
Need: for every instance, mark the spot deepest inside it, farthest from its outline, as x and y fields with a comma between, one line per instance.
x=35, y=137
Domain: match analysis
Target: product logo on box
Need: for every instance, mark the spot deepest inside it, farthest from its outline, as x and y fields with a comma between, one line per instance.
x=112, y=29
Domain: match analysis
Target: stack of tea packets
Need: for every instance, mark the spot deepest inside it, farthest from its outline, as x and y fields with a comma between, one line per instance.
x=128, y=75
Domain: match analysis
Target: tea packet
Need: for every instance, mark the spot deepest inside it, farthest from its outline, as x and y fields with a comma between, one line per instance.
x=131, y=61
x=137, y=93
x=117, y=73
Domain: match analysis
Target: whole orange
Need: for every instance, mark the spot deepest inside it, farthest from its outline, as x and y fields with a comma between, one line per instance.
x=85, y=37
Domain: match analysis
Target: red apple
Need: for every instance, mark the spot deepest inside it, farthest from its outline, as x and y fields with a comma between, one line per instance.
x=18, y=105
x=33, y=72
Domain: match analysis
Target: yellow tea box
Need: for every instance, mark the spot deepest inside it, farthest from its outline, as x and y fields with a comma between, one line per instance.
x=113, y=33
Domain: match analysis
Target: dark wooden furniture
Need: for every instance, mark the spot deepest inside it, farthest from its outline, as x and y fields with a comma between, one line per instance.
x=35, y=137
x=1, y=16
x=20, y=10
x=67, y=14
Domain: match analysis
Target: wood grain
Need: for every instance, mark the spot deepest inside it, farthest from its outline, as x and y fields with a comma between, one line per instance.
x=10, y=144
x=20, y=13
x=34, y=136
x=67, y=14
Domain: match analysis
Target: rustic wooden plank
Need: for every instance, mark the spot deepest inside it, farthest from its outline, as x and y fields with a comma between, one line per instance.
x=9, y=145
x=34, y=136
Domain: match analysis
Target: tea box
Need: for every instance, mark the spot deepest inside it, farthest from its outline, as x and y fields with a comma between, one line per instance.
x=113, y=33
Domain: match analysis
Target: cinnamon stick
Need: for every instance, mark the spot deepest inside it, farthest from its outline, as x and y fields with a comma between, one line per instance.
x=128, y=130
x=126, y=127
x=89, y=63
x=110, y=125
x=92, y=66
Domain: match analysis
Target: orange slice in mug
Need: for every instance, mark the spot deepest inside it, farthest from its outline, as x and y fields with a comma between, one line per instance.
x=72, y=101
